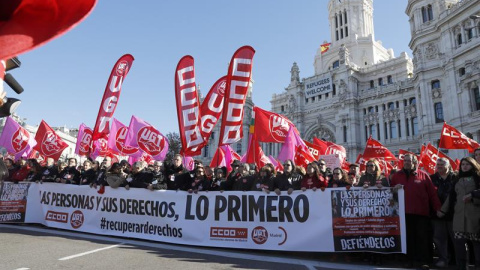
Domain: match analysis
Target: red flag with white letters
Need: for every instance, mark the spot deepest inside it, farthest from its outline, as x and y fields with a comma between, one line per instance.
x=374, y=149
x=238, y=79
x=212, y=107
x=111, y=96
x=451, y=138
x=429, y=157
x=188, y=107
x=49, y=144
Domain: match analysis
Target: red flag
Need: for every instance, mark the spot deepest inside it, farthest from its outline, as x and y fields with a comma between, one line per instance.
x=361, y=162
x=84, y=140
x=111, y=96
x=28, y=24
x=429, y=157
x=315, y=150
x=330, y=148
x=255, y=154
x=49, y=144
x=375, y=149
x=270, y=126
x=303, y=156
x=451, y=138
x=212, y=107
x=218, y=159
x=238, y=79
x=188, y=108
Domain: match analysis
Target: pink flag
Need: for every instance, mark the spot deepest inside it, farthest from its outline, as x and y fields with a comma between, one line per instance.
x=16, y=139
x=295, y=149
x=148, y=139
x=188, y=163
x=142, y=157
x=229, y=155
x=116, y=140
x=99, y=148
x=84, y=140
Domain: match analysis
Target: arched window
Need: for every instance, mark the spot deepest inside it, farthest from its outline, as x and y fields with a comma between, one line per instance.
x=427, y=13
x=334, y=90
x=391, y=106
x=393, y=130
x=435, y=84
x=345, y=16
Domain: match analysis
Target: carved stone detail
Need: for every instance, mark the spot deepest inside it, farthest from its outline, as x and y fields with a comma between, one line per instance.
x=431, y=51
x=371, y=118
x=436, y=93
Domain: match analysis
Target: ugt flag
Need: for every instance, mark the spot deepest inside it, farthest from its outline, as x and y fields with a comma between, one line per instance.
x=16, y=139
x=49, y=144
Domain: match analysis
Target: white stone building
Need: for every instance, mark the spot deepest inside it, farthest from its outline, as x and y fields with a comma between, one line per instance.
x=360, y=88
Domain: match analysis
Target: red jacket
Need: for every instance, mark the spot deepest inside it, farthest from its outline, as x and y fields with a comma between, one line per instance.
x=420, y=193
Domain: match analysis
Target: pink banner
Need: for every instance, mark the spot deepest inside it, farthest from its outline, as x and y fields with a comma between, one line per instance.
x=146, y=138
x=84, y=140
x=116, y=140
x=17, y=140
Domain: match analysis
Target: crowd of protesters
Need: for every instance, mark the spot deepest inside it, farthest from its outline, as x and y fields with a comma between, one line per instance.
x=442, y=208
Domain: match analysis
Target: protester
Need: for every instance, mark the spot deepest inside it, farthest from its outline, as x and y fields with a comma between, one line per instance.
x=240, y=180
x=219, y=182
x=35, y=174
x=50, y=171
x=289, y=180
x=69, y=175
x=115, y=177
x=420, y=199
x=10, y=164
x=313, y=179
x=173, y=170
x=339, y=179
x=197, y=182
x=263, y=180
x=476, y=155
x=373, y=176
x=21, y=173
x=466, y=211
x=87, y=176
x=140, y=176
x=444, y=180
x=159, y=181
x=355, y=170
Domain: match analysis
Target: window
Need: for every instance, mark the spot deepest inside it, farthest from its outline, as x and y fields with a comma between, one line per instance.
x=344, y=133
x=239, y=148
x=389, y=79
x=461, y=71
x=435, y=84
x=427, y=13
x=326, y=95
x=459, y=39
x=366, y=132
x=306, y=100
x=336, y=64
x=371, y=110
x=340, y=19
x=346, y=31
x=385, y=131
x=341, y=33
x=384, y=107
x=205, y=150
x=313, y=99
x=334, y=90
x=283, y=108
x=399, y=129
x=391, y=106
x=380, y=81
x=414, y=126
x=413, y=101
x=476, y=95
x=336, y=35
x=345, y=17
x=212, y=136
x=336, y=21
x=397, y=104
x=364, y=111
x=373, y=131
x=372, y=84
x=393, y=130
x=438, y=112
x=408, y=127
x=470, y=33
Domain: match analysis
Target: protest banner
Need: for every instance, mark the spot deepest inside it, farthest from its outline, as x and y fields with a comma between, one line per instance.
x=13, y=202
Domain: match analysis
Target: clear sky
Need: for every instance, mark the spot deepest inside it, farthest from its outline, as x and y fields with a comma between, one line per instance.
x=64, y=80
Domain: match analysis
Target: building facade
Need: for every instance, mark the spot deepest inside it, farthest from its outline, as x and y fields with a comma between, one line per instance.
x=361, y=89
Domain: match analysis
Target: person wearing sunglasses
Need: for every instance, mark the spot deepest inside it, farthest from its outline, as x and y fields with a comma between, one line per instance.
x=373, y=176
x=289, y=180
x=313, y=179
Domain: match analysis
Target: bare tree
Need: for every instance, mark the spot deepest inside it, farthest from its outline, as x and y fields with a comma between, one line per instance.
x=175, y=145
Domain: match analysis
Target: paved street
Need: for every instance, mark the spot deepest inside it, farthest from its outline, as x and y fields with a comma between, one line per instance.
x=34, y=247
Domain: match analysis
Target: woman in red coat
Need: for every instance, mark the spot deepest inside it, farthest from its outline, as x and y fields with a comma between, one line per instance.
x=313, y=179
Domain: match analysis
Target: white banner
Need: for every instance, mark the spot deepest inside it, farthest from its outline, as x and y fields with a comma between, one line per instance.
x=318, y=86
x=251, y=220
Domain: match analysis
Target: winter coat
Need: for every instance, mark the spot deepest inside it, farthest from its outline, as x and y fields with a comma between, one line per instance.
x=371, y=180
x=286, y=181
x=444, y=188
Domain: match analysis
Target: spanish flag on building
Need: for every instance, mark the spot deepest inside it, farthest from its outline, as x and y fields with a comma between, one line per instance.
x=324, y=47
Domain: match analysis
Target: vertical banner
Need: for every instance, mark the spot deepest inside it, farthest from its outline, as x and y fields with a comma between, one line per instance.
x=238, y=79
x=188, y=108
x=367, y=220
x=111, y=96
x=13, y=201
x=212, y=107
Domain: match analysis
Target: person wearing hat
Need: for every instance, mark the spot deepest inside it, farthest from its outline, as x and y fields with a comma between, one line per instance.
x=115, y=177
x=354, y=168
